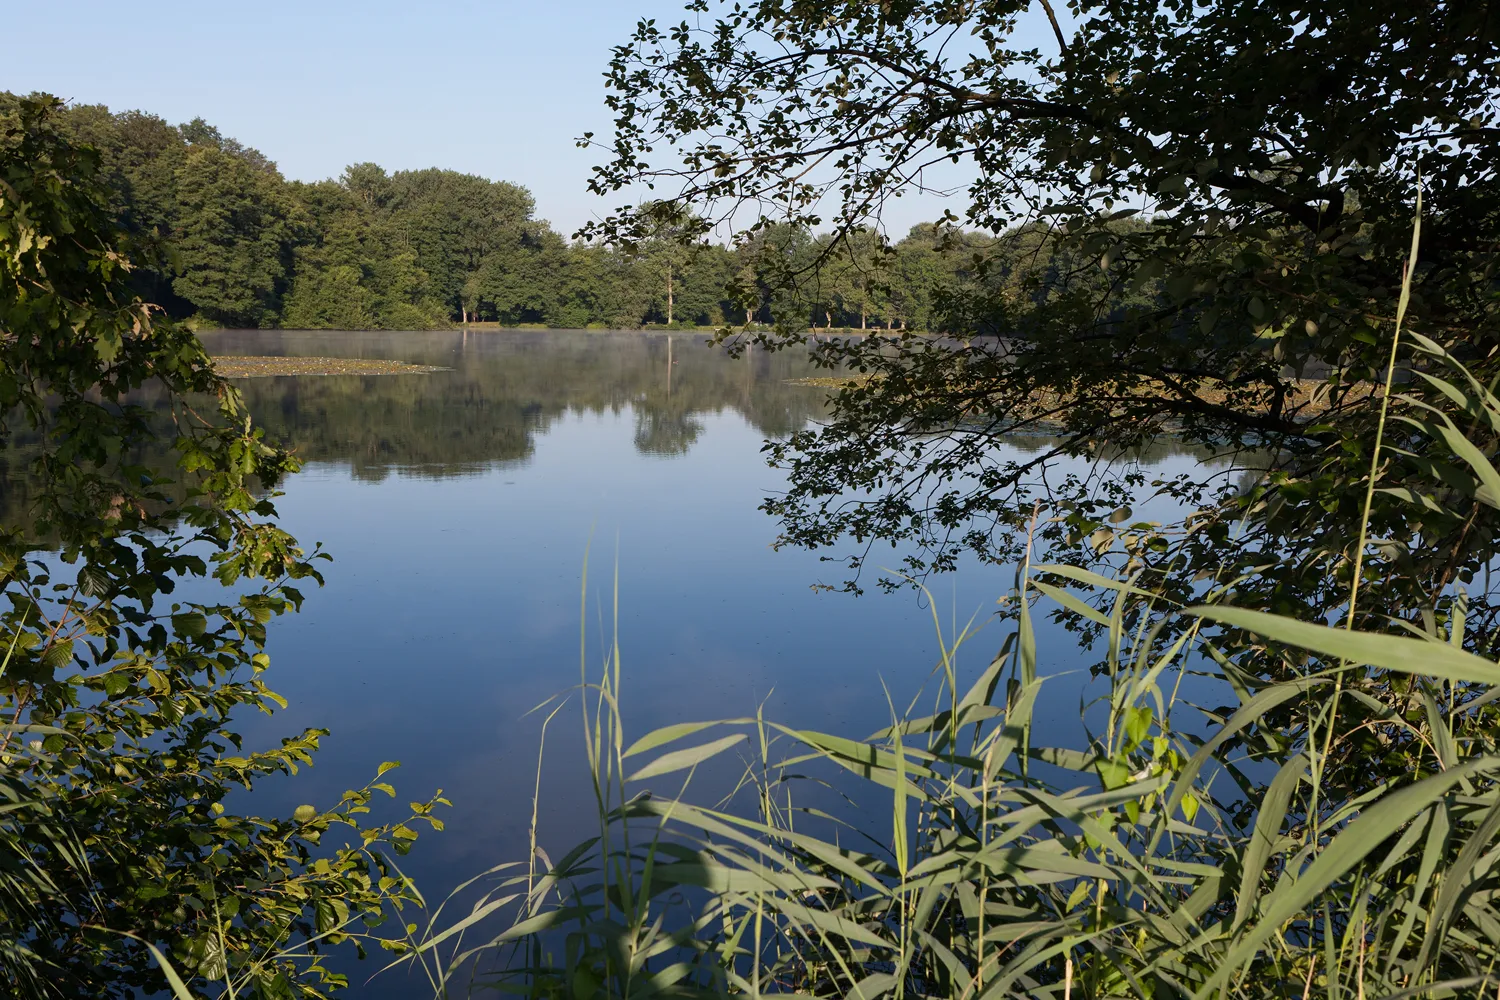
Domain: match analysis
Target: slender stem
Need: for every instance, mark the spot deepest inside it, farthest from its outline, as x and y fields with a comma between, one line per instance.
x=1062, y=43
x=984, y=843
x=1385, y=403
x=1320, y=762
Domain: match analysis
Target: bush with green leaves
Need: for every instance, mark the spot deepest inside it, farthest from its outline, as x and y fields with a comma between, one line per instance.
x=1184, y=218
x=118, y=694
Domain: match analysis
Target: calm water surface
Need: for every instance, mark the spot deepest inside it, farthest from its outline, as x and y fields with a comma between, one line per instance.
x=458, y=507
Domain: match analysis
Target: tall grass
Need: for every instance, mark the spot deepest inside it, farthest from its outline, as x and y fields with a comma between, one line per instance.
x=1135, y=865
x=1179, y=851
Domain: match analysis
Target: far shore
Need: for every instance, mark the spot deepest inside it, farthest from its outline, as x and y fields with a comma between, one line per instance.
x=653, y=328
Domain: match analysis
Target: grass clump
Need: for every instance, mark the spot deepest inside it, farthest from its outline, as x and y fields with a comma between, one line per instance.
x=1181, y=850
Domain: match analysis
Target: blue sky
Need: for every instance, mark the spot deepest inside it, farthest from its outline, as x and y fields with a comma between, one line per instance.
x=499, y=88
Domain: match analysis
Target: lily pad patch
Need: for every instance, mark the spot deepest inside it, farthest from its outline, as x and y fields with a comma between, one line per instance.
x=261, y=367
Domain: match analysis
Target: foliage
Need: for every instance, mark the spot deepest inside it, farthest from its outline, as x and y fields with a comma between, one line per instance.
x=1262, y=805
x=358, y=272
x=1150, y=863
x=1193, y=214
x=118, y=760
x=232, y=239
x=219, y=235
x=211, y=223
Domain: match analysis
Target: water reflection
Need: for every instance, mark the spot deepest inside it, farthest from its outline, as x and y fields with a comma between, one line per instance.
x=507, y=387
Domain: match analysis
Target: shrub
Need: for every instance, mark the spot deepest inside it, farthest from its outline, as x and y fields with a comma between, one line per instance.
x=117, y=695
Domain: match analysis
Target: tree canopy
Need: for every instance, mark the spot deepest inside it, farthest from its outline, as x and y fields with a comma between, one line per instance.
x=1195, y=218
x=224, y=239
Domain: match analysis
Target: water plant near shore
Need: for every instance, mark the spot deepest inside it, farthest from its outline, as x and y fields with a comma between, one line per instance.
x=1184, y=850
x=230, y=366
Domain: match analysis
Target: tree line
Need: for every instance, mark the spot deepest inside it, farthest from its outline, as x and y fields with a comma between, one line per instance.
x=224, y=239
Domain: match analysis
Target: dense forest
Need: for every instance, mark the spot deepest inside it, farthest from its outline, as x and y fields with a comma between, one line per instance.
x=232, y=243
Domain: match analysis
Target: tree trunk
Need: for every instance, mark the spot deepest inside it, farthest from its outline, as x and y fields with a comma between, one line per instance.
x=669, y=294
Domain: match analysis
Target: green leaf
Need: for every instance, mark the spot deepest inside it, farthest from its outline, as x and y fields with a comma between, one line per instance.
x=179, y=988
x=1425, y=658
x=1266, y=835
x=1247, y=715
x=585, y=984
x=899, y=808
x=667, y=734
x=678, y=760
x=1071, y=602
x=58, y=654
x=1351, y=847
x=1413, y=497
x=190, y=625
x=1112, y=774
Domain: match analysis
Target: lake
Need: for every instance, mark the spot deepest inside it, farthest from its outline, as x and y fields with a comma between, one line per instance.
x=458, y=507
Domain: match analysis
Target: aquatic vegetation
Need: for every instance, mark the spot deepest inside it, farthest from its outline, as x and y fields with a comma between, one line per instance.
x=265, y=367
x=1261, y=808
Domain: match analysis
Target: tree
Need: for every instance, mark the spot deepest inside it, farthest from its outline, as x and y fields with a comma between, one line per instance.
x=325, y=297
x=233, y=237
x=582, y=289
x=1268, y=154
x=217, y=234
x=856, y=269
x=702, y=288
x=356, y=271
x=519, y=279
x=117, y=701
x=209, y=219
x=453, y=221
x=665, y=242
x=774, y=257
x=369, y=183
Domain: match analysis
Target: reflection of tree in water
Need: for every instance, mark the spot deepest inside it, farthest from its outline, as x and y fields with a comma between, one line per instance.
x=506, y=387
x=664, y=433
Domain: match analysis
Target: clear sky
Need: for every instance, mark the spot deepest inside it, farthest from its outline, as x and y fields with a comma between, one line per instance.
x=499, y=88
